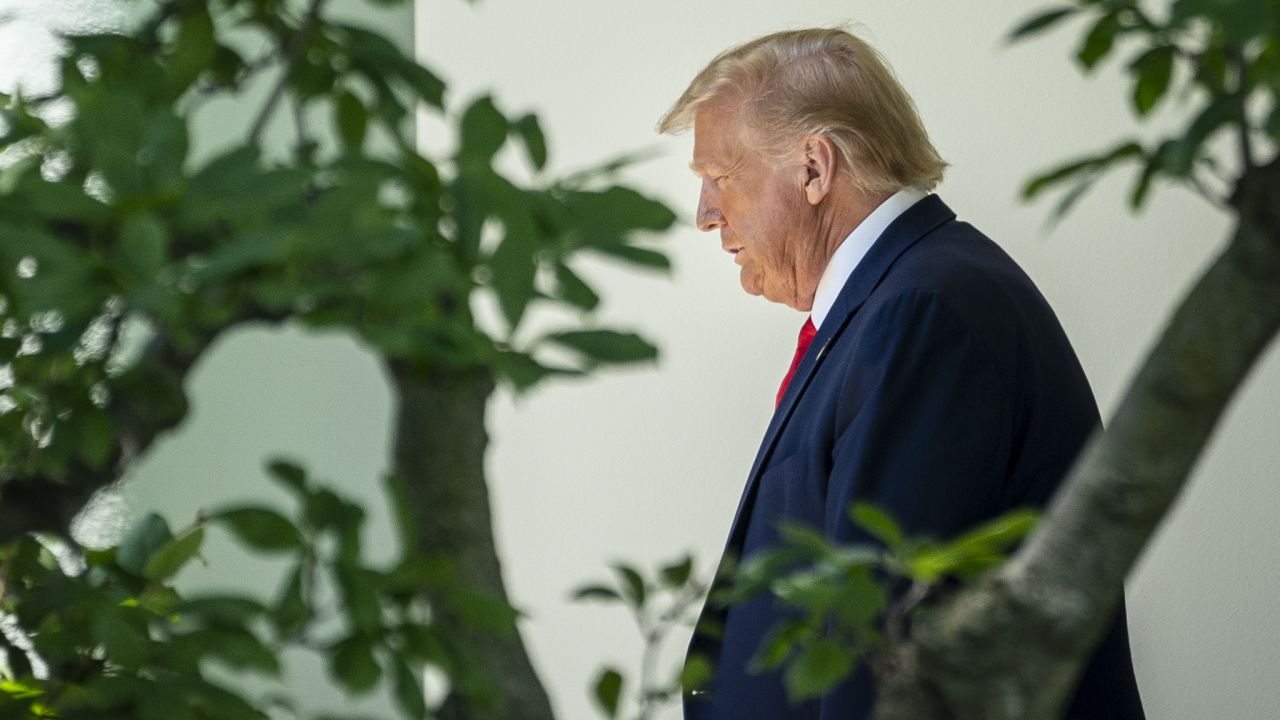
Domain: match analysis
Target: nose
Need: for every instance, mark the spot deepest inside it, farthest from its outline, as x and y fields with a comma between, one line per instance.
x=709, y=215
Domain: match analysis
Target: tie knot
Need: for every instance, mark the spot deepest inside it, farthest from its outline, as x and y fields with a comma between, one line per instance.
x=807, y=331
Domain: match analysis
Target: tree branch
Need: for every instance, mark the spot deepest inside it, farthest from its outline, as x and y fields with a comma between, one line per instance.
x=1012, y=645
x=291, y=55
x=440, y=441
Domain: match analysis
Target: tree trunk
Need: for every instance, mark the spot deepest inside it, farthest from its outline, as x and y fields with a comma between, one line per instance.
x=440, y=443
x=1013, y=645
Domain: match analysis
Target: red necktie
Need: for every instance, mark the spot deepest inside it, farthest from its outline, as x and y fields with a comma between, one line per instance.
x=802, y=343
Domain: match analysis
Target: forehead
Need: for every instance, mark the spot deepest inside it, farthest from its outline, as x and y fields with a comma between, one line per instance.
x=720, y=137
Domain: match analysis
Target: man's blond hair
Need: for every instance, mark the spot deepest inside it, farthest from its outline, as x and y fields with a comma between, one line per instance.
x=824, y=82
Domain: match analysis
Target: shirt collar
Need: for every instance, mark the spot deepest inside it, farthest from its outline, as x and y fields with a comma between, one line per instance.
x=855, y=246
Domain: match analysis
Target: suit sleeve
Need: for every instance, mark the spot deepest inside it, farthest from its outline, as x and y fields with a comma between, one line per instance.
x=924, y=423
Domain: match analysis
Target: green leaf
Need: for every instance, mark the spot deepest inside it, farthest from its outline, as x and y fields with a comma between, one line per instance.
x=778, y=645
x=1212, y=70
x=534, y=141
x=485, y=611
x=290, y=610
x=1072, y=196
x=124, y=643
x=148, y=535
x=608, y=216
x=815, y=591
x=260, y=528
x=573, y=290
x=878, y=524
x=695, y=673
x=677, y=574
x=95, y=436
x=596, y=592
x=423, y=643
x=1182, y=155
x=514, y=269
x=999, y=534
x=159, y=599
x=351, y=119
x=976, y=551
x=169, y=558
x=289, y=474
x=408, y=690
x=145, y=245
x=222, y=611
x=862, y=600
x=163, y=152
x=19, y=691
x=1239, y=20
x=633, y=255
x=1086, y=166
x=1150, y=168
x=633, y=584
x=360, y=597
x=1100, y=39
x=352, y=663
x=1152, y=70
x=240, y=649
x=606, y=346
x=524, y=372
x=65, y=200
x=818, y=667
x=425, y=84
x=1041, y=22
x=804, y=537
x=483, y=129
x=930, y=566
x=758, y=572
x=608, y=691
x=193, y=50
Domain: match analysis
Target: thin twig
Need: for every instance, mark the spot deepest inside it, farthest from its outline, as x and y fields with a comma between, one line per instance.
x=1236, y=54
x=303, y=145
x=1197, y=185
x=291, y=56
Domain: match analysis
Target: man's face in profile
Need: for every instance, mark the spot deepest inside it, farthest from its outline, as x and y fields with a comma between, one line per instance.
x=756, y=202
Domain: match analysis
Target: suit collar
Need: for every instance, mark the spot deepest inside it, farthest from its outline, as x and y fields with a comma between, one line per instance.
x=916, y=222
x=855, y=246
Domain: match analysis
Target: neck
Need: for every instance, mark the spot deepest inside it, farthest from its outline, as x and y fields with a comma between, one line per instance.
x=837, y=216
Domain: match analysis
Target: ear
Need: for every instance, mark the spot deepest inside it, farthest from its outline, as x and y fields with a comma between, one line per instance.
x=821, y=163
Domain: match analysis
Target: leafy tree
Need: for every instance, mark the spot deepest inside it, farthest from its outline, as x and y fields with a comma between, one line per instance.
x=124, y=256
x=1011, y=642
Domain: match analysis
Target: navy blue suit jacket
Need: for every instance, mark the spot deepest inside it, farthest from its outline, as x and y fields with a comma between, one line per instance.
x=940, y=388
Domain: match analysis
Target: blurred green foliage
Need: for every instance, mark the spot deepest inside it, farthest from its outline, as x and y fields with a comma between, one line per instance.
x=124, y=255
x=103, y=633
x=1217, y=60
x=660, y=603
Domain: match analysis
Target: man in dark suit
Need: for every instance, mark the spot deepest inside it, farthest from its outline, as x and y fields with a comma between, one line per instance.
x=931, y=377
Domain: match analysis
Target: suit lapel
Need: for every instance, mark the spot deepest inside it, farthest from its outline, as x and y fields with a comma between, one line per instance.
x=913, y=224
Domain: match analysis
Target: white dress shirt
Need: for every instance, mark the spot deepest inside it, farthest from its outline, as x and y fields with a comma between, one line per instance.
x=855, y=247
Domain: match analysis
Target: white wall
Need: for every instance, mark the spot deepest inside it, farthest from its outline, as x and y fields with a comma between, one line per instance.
x=643, y=464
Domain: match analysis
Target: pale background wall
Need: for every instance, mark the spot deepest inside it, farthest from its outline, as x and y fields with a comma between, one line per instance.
x=644, y=464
